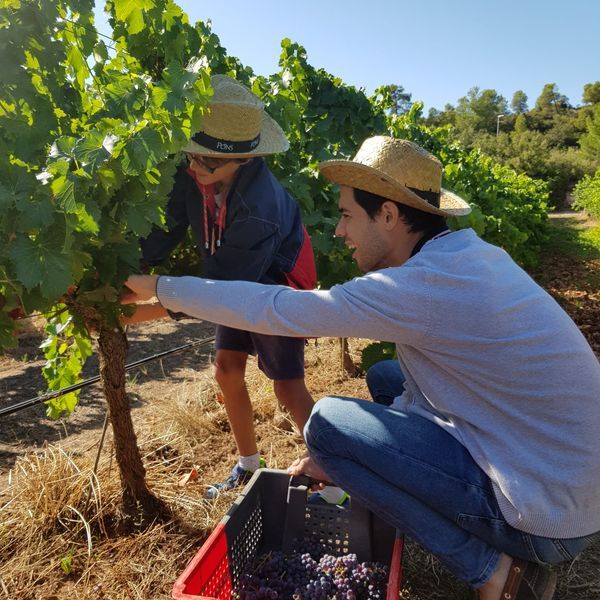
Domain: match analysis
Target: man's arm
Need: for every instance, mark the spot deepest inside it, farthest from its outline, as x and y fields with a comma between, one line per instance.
x=376, y=306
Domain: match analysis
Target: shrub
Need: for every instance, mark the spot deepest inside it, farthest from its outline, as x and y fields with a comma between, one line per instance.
x=587, y=195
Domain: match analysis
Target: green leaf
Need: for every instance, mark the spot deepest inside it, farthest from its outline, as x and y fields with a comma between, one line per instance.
x=93, y=150
x=179, y=83
x=25, y=254
x=142, y=151
x=100, y=52
x=34, y=213
x=63, y=189
x=376, y=352
x=7, y=328
x=39, y=261
x=62, y=148
x=140, y=218
x=78, y=64
x=17, y=187
x=132, y=13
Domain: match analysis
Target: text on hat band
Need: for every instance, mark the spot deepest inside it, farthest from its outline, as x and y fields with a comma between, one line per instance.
x=225, y=146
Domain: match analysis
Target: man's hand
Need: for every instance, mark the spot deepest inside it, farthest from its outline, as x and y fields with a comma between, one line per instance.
x=307, y=466
x=142, y=288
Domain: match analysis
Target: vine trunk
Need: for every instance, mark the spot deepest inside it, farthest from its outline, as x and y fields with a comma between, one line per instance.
x=137, y=497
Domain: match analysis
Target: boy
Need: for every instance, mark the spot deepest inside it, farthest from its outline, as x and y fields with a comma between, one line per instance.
x=247, y=228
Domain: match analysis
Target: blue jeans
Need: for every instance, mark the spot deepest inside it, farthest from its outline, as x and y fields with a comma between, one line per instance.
x=421, y=480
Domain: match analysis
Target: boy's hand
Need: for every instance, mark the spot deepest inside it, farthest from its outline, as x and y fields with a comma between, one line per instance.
x=140, y=288
x=145, y=312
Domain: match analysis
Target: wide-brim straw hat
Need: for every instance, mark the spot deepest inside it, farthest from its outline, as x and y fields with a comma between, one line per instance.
x=399, y=170
x=236, y=124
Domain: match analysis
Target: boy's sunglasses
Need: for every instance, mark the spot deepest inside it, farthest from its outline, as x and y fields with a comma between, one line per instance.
x=208, y=164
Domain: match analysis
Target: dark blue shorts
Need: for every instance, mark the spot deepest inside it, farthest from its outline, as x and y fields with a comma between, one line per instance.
x=278, y=357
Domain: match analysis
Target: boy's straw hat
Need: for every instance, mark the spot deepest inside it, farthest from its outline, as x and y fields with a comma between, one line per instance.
x=399, y=170
x=236, y=124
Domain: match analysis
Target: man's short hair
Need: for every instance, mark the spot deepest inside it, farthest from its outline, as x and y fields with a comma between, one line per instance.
x=417, y=220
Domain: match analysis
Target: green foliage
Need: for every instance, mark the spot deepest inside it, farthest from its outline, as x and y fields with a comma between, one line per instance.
x=376, y=352
x=590, y=142
x=551, y=99
x=66, y=348
x=323, y=119
x=568, y=238
x=531, y=152
x=479, y=110
x=587, y=195
x=513, y=206
x=66, y=562
x=90, y=141
x=591, y=93
x=542, y=142
x=564, y=168
x=518, y=104
x=395, y=97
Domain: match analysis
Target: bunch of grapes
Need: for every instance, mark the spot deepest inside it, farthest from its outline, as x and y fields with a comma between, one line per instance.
x=306, y=576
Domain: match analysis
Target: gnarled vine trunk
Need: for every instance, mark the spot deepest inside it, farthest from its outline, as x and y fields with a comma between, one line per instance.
x=136, y=495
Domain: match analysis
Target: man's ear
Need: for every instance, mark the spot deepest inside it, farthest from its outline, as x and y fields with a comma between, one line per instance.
x=389, y=214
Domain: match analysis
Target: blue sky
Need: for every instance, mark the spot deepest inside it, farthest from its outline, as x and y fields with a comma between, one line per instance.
x=436, y=49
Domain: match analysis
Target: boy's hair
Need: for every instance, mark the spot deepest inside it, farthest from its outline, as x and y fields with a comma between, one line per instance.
x=417, y=220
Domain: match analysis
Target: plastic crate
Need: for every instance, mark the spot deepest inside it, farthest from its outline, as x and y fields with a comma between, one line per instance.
x=272, y=514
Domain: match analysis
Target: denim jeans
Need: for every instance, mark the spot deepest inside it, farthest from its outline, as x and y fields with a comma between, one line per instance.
x=421, y=480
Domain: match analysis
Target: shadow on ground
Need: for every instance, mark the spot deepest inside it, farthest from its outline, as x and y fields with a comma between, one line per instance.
x=21, y=379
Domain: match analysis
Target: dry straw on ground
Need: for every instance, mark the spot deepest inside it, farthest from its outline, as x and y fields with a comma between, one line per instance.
x=57, y=517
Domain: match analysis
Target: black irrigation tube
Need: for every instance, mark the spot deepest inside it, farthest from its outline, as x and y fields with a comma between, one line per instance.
x=77, y=386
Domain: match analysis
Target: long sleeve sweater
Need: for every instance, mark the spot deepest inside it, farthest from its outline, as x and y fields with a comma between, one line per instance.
x=488, y=355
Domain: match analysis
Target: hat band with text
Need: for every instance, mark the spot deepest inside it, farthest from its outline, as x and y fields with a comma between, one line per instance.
x=432, y=198
x=225, y=146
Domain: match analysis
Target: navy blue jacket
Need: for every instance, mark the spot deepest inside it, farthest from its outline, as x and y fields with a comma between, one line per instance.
x=263, y=239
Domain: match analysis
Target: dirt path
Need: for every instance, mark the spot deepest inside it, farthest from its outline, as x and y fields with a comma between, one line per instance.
x=569, y=270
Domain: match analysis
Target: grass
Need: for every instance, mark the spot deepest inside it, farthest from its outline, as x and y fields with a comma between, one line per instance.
x=569, y=266
x=574, y=237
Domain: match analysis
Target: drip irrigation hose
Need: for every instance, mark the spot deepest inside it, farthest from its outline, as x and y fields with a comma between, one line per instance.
x=9, y=410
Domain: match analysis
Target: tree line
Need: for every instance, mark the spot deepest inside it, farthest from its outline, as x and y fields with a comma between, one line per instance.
x=552, y=140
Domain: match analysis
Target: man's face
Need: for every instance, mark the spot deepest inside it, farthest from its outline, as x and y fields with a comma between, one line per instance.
x=364, y=235
x=210, y=170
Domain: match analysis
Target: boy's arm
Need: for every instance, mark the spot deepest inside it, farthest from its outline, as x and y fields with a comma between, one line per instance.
x=146, y=312
x=159, y=245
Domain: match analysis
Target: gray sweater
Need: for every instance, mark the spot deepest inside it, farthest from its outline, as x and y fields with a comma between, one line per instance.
x=488, y=354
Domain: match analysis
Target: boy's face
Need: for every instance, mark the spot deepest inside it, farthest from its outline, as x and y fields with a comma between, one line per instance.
x=363, y=235
x=210, y=170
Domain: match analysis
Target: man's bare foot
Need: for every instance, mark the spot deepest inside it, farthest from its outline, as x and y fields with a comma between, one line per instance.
x=492, y=588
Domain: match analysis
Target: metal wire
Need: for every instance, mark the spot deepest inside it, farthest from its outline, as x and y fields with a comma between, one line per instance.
x=9, y=410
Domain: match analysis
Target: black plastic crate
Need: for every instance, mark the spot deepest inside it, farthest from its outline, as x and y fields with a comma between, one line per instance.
x=272, y=513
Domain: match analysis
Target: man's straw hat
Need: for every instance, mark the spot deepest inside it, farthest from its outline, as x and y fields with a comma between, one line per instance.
x=398, y=170
x=236, y=124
